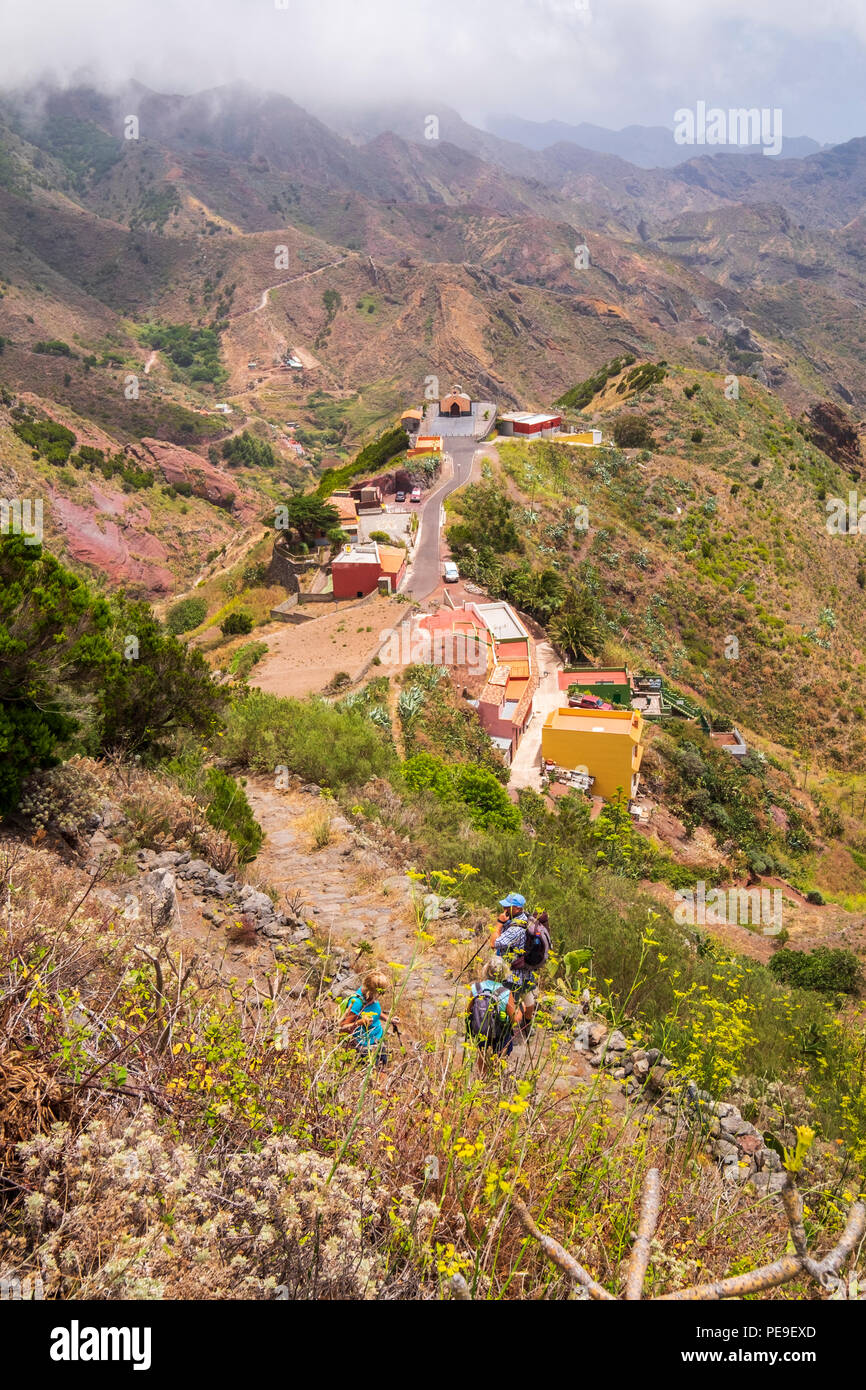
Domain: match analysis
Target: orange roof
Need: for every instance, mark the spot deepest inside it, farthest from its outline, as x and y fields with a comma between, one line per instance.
x=391, y=558
x=519, y=669
x=514, y=689
x=345, y=507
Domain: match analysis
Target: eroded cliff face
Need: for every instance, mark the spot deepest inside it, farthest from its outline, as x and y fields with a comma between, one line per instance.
x=835, y=434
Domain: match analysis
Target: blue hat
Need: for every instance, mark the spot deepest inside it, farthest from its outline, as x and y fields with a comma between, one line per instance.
x=513, y=900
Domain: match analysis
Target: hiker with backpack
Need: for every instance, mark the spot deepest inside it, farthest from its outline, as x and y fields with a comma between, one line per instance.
x=523, y=940
x=363, y=1019
x=492, y=1013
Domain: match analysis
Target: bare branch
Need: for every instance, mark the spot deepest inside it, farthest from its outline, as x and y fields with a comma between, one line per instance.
x=640, y=1255
x=738, y=1285
x=554, y=1251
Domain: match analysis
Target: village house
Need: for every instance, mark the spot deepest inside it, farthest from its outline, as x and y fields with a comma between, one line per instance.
x=363, y=567
x=345, y=505
x=612, y=685
x=493, y=637
x=528, y=425
x=411, y=420
x=604, y=743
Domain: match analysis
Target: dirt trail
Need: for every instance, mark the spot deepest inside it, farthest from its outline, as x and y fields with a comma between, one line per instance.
x=353, y=893
x=290, y=280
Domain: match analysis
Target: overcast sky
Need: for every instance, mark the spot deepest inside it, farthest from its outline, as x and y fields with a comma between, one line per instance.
x=615, y=62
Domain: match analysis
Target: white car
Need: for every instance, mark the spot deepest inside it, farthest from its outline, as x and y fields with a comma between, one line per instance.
x=450, y=572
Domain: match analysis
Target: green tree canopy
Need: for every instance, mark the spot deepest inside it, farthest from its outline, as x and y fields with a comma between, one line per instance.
x=308, y=515
x=55, y=649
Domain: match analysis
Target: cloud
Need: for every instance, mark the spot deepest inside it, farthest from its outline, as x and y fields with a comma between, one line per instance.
x=611, y=61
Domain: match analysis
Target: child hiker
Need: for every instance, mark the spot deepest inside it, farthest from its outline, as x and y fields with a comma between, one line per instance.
x=492, y=1013
x=363, y=1019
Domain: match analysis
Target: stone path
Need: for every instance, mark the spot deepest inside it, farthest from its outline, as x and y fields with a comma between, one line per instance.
x=352, y=893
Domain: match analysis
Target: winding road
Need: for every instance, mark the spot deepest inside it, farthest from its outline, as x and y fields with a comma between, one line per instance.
x=425, y=573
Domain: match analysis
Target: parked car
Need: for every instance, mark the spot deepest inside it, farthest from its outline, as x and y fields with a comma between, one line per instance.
x=450, y=572
x=415, y=495
x=399, y=497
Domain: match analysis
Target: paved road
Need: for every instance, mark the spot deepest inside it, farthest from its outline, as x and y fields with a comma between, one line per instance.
x=425, y=572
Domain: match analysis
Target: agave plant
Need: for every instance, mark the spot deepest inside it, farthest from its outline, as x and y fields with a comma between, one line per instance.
x=410, y=702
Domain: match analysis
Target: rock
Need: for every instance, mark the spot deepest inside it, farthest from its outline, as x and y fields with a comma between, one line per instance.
x=658, y=1078
x=102, y=848
x=582, y=1039
x=750, y=1143
x=618, y=1073
x=436, y=907
x=638, y=1055
x=160, y=888
x=311, y=789
x=562, y=1012
x=723, y=1148
x=733, y=1124
x=653, y=1055
x=196, y=868
x=616, y=1042
x=723, y=1109
x=259, y=904
x=641, y=1067
x=735, y=1172
x=345, y=986
x=766, y=1183
x=769, y=1160
x=597, y=1033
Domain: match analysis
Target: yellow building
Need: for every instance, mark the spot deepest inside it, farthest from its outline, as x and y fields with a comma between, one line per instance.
x=604, y=743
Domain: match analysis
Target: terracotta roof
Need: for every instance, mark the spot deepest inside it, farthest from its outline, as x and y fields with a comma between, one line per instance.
x=391, y=559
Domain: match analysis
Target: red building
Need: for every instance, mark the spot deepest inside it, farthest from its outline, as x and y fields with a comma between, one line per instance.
x=358, y=569
x=523, y=422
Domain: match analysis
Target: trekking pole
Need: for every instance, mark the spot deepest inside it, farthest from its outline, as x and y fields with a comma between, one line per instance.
x=470, y=960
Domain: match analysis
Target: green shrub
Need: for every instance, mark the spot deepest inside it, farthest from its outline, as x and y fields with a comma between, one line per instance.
x=246, y=657
x=833, y=972
x=185, y=615
x=332, y=747
x=246, y=448
x=476, y=787
x=238, y=623
x=633, y=432
x=229, y=810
